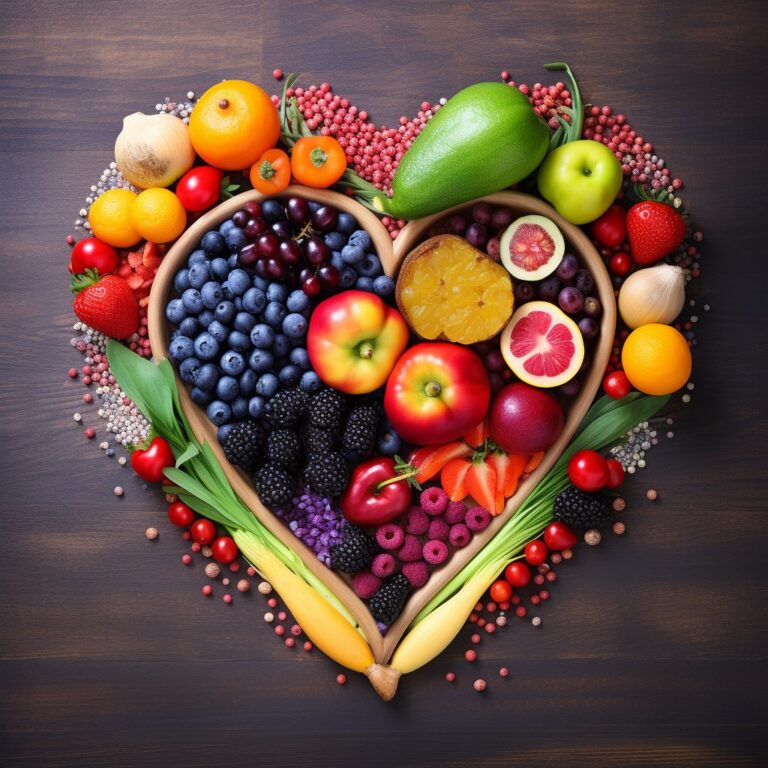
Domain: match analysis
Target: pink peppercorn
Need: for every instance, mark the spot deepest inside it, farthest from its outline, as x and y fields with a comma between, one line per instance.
x=72, y=373
x=290, y=642
x=295, y=630
x=490, y=627
x=272, y=602
x=450, y=677
x=277, y=74
x=186, y=559
x=90, y=433
x=479, y=685
x=307, y=646
x=475, y=638
x=470, y=655
x=520, y=611
x=279, y=630
x=504, y=672
x=341, y=679
x=544, y=594
x=282, y=616
x=227, y=599
x=207, y=590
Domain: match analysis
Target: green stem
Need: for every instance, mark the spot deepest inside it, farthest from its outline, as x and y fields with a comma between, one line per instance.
x=396, y=479
x=572, y=131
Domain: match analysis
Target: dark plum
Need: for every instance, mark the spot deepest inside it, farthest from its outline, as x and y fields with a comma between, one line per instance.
x=290, y=253
x=477, y=234
x=248, y=255
x=317, y=252
x=311, y=285
x=567, y=267
x=571, y=300
x=324, y=218
x=253, y=208
x=329, y=276
x=255, y=227
x=275, y=269
x=298, y=210
x=588, y=327
x=240, y=218
x=282, y=229
x=549, y=288
x=268, y=244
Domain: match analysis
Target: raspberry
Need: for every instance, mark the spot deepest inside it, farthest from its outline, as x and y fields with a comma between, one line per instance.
x=411, y=549
x=365, y=584
x=417, y=573
x=438, y=529
x=455, y=512
x=435, y=552
x=477, y=519
x=390, y=536
x=417, y=521
x=383, y=565
x=433, y=500
x=459, y=535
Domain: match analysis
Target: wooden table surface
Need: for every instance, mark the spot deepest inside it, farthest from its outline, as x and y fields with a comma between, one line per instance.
x=653, y=648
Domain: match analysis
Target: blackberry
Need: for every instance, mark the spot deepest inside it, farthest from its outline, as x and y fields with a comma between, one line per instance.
x=327, y=474
x=286, y=408
x=317, y=441
x=579, y=509
x=274, y=485
x=244, y=444
x=283, y=448
x=354, y=552
x=387, y=604
x=361, y=430
x=326, y=409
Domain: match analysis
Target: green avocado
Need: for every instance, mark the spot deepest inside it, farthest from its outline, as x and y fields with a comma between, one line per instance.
x=486, y=138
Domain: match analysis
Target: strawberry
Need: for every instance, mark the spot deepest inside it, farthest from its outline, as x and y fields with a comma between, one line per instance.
x=533, y=462
x=478, y=435
x=481, y=484
x=654, y=230
x=453, y=477
x=508, y=468
x=106, y=304
x=432, y=458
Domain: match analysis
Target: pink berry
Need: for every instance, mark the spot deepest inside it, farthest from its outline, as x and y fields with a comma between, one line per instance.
x=455, y=512
x=417, y=573
x=417, y=521
x=433, y=500
x=438, y=529
x=459, y=535
x=435, y=552
x=366, y=584
x=390, y=536
x=383, y=565
x=477, y=519
x=411, y=549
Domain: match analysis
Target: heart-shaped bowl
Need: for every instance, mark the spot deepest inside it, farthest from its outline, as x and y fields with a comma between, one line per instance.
x=391, y=258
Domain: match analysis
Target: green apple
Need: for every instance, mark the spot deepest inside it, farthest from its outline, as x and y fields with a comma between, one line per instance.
x=581, y=179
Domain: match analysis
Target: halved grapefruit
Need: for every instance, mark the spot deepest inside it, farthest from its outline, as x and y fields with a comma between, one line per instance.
x=542, y=345
x=532, y=247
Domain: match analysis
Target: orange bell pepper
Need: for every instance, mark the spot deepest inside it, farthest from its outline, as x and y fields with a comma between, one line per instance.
x=318, y=161
x=271, y=173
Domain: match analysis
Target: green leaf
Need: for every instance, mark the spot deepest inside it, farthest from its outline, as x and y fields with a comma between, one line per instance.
x=190, y=451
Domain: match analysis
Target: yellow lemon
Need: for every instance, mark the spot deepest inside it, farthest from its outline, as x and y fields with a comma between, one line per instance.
x=110, y=218
x=656, y=359
x=158, y=215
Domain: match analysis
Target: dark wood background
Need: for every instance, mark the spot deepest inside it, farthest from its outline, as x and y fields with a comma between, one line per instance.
x=653, y=648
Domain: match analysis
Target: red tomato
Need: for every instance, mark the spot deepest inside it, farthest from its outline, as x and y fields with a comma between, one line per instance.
x=92, y=253
x=616, y=385
x=200, y=188
x=588, y=471
x=149, y=464
x=500, y=591
x=620, y=264
x=615, y=474
x=518, y=574
x=180, y=514
x=559, y=536
x=224, y=550
x=203, y=531
x=611, y=228
x=536, y=552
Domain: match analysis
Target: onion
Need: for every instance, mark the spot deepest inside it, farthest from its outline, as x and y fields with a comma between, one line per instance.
x=653, y=295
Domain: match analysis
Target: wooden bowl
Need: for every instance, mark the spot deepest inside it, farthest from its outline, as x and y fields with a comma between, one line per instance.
x=391, y=257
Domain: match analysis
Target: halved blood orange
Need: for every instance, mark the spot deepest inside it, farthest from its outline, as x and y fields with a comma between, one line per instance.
x=542, y=345
x=532, y=247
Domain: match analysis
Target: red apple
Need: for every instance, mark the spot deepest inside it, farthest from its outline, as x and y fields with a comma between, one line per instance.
x=525, y=419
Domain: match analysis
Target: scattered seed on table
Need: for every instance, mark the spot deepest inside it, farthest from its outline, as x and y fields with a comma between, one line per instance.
x=88, y=398
x=272, y=602
x=171, y=498
x=480, y=685
x=619, y=505
x=151, y=533
x=556, y=558
x=212, y=570
x=520, y=611
x=450, y=677
x=619, y=527
x=243, y=585
x=592, y=537
x=226, y=582
x=536, y=621
x=119, y=490
x=186, y=535
x=234, y=567
x=251, y=571
x=269, y=617
x=567, y=554
x=652, y=495
x=538, y=579
x=295, y=630
x=72, y=373
x=308, y=646
x=206, y=551
x=290, y=642
x=207, y=590
x=475, y=638
x=279, y=630
x=78, y=417
x=90, y=433
x=227, y=599
x=122, y=461
x=282, y=615
x=504, y=672
x=341, y=679
x=490, y=627
x=501, y=621
x=535, y=599
x=186, y=559
x=551, y=576
x=264, y=586
x=196, y=546
x=481, y=623
x=470, y=655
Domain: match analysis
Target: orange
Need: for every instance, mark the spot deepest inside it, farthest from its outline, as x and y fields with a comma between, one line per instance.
x=110, y=218
x=158, y=215
x=233, y=124
x=656, y=359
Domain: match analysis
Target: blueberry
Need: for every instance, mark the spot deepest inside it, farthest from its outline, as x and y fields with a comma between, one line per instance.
x=346, y=223
x=297, y=301
x=262, y=336
x=238, y=282
x=219, y=268
x=232, y=261
x=225, y=312
x=240, y=408
x=274, y=314
x=364, y=284
x=267, y=385
x=335, y=241
x=211, y=294
x=226, y=226
x=254, y=300
x=227, y=388
x=232, y=363
x=192, y=301
x=175, y=334
x=295, y=326
x=277, y=292
x=197, y=257
x=239, y=341
x=189, y=327
x=205, y=318
x=219, y=413
x=213, y=244
x=199, y=274
x=260, y=283
x=181, y=348
x=206, y=347
x=348, y=277
x=189, y=369
x=389, y=443
x=222, y=433
x=261, y=360
x=360, y=238
x=352, y=254
x=336, y=261
x=175, y=311
x=271, y=209
x=235, y=239
x=244, y=321
x=219, y=331
x=310, y=382
x=238, y=302
x=181, y=280
x=299, y=356
x=200, y=396
x=370, y=266
x=247, y=382
x=256, y=404
x=383, y=285
x=281, y=346
x=207, y=377
x=290, y=375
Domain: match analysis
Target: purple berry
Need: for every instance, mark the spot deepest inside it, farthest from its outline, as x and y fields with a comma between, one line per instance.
x=571, y=300
x=365, y=584
x=435, y=552
x=455, y=512
x=477, y=519
x=433, y=500
x=459, y=535
x=438, y=529
x=411, y=549
x=567, y=267
x=417, y=521
x=390, y=536
x=383, y=565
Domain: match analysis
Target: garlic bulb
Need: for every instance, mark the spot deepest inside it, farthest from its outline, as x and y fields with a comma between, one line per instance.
x=153, y=150
x=652, y=295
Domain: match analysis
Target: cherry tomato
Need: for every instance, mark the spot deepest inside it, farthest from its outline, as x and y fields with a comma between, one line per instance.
x=518, y=574
x=559, y=536
x=180, y=514
x=536, y=552
x=500, y=591
x=92, y=253
x=271, y=173
x=588, y=471
x=224, y=550
x=611, y=228
x=620, y=264
x=200, y=188
x=615, y=473
x=203, y=531
x=149, y=464
x=616, y=385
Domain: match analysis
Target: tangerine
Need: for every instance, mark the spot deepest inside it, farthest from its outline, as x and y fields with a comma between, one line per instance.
x=110, y=218
x=656, y=359
x=158, y=215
